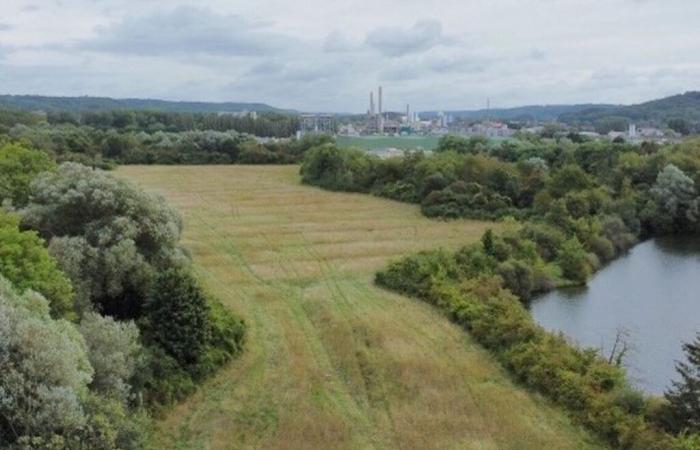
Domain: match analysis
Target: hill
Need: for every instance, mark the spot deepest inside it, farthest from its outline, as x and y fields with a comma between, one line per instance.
x=99, y=104
x=537, y=113
x=680, y=112
x=334, y=362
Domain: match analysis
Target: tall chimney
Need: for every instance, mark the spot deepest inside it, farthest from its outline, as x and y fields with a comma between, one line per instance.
x=380, y=99
x=371, y=103
x=408, y=115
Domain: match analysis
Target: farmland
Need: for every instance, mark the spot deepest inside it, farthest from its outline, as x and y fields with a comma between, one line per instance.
x=332, y=361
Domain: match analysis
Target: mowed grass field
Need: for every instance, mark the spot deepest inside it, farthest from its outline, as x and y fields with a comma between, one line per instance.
x=333, y=362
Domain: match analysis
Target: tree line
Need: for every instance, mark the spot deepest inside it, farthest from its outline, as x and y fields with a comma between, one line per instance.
x=263, y=124
x=102, y=322
x=104, y=146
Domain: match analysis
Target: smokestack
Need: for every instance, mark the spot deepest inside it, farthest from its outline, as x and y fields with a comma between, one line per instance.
x=380, y=99
x=371, y=103
x=408, y=115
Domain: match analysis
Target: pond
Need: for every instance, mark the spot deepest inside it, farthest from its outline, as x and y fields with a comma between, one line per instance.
x=652, y=294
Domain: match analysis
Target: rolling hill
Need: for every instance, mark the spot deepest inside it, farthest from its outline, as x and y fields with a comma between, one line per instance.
x=661, y=112
x=680, y=111
x=97, y=104
x=539, y=113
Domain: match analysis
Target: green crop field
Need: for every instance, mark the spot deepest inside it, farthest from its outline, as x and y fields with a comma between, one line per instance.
x=333, y=362
x=380, y=142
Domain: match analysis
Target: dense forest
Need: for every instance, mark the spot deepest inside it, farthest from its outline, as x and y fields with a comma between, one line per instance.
x=101, y=318
x=579, y=205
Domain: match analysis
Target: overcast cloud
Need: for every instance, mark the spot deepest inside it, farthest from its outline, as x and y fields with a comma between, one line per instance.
x=327, y=56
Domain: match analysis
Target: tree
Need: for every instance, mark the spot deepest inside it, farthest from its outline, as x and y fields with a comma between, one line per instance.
x=253, y=153
x=26, y=263
x=107, y=236
x=177, y=316
x=568, y=178
x=114, y=352
x=487, y=240
x=684, y=396
x=459, y=144
x=675, y=205
x=45, y=397
x=517, y=277
x=573, y=261
x=45, y=370
x=18, y=167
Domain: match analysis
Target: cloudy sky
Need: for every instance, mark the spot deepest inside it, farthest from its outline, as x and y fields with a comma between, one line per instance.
x=327, y=55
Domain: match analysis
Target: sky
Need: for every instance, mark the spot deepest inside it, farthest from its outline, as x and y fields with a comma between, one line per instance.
x=314, y=55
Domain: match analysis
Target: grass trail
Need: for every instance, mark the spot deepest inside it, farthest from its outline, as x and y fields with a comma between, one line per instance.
x=332, y=362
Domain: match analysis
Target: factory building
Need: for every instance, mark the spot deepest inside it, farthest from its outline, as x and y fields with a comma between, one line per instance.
x=317, y=123
x=375, y=119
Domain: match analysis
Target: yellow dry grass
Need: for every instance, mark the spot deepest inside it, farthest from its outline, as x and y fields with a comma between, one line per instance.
x=333, y=362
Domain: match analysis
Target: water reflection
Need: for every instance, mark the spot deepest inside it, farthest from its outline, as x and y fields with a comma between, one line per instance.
x=653, y=293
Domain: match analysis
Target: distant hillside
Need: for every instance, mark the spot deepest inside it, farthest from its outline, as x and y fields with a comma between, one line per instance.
x=83, y=104
x=540, y=113
x=680, y=112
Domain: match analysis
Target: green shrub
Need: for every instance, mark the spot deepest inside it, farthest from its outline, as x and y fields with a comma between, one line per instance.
x=176, y=316
x=518, y=277
x=574, y=261
x=26, y=263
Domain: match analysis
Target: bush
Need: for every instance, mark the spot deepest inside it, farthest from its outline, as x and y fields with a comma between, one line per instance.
x=176, y=316
x=518, y=277
x=602, y=248
x=254, y=153
x=548, y=239
x=574, y=261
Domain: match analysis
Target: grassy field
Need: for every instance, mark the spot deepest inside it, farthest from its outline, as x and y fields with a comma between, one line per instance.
x=380, y=142
x=332, y=361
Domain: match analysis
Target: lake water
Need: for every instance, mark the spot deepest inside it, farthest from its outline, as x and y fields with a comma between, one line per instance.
x=653, y=292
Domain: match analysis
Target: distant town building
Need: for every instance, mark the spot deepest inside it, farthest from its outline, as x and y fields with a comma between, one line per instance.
x=617, y=134
x=348, y=130
x=632, y=131
x=317, y=123
x=490, y=130
x=651, y=133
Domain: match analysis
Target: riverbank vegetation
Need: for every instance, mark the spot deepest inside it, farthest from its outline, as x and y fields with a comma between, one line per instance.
x=579, y=205
x=101, y=320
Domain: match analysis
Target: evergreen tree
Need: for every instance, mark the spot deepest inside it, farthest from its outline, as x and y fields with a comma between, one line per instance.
x=487, y=242
x=684, y=396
